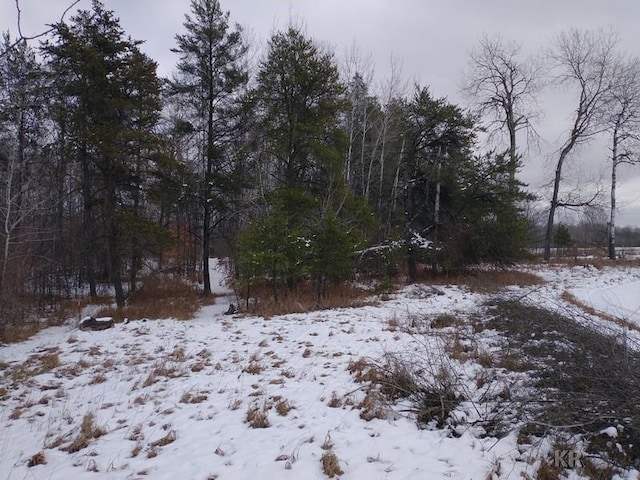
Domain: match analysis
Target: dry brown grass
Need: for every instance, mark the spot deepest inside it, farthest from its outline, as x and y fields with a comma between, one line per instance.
x=258, y=417
x=136, y=433
x=254, y=367
x=135, y=451
x=33, y=366
x=178, y=355
x=596, y=472
x=37, y=459
x=170, y=437
x=162, y=369
x=16, y=414
x=568, y=297
x=335, y=401
x=161, y=297
x=72, y=307
x=445, y=320
x=190, y=397
x=88, y=431
x=98, y=378
x=49, y=360
x=19, y=333
x=457, y=348
x=283, y=407
x=330, y=464
x=373, y=406
x=366, y=371
x=393, y=323
x=548, y=471
x=304, y=298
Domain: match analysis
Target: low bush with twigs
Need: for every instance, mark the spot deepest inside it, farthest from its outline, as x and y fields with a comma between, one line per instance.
x=427, y=380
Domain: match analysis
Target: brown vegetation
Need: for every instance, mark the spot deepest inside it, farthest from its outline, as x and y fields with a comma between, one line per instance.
x=330, y=464
x=257, y=417
x=37, y=459
x=303, y=298
x=170, y=437
x=88, y=431
x=161, y=297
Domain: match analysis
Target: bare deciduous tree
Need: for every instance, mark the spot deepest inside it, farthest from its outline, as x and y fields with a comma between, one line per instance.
x=503, y=89
x=21, y=118
x=622, y=119
x=357, y=72
x=586, y=61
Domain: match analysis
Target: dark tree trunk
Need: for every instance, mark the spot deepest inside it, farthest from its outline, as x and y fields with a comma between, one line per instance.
x=112, y=240
x=89, y=225
x=612, y=218
x=548, y=238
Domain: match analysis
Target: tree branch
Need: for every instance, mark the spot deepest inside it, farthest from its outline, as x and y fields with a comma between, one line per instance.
x=25, y=38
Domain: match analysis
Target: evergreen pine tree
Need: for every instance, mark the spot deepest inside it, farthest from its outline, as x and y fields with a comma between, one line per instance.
x=108, y=98
x=212, y=75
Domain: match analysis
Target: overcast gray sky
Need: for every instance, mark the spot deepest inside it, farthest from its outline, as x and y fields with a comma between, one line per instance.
x=431, y=38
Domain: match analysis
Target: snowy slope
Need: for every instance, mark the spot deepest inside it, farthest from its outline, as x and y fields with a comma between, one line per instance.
x=171, y=397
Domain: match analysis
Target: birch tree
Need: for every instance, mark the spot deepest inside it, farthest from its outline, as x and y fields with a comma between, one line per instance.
x=622, y=120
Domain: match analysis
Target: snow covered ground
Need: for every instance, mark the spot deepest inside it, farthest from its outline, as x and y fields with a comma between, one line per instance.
x=168, y=399
x=614, y=294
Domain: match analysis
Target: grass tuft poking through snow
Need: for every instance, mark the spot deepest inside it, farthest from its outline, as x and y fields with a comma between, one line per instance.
x=88, y=432
x=258, y=417
x=330, y=464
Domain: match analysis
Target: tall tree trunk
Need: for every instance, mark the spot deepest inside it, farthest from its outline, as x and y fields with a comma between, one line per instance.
x=114, y=262
x=382, y=161
x=436, y=214
x=513, y=152
x=89, y=225
x=206, y=244
x=113, y=249
x=612, y=218
x=548, y=237
x=135, y=245
x=347, y=172
x=408, y=220
x=8, y=207
x=362, y=148
x=394, y=189
x=206, y=221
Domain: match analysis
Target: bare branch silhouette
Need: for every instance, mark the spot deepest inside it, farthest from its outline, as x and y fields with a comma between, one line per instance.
x=25, y=38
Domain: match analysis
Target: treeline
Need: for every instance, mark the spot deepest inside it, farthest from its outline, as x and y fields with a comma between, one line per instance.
x=585, y=235
x=300, y=171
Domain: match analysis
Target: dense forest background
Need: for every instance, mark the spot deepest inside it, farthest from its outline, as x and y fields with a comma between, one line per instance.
x=292, y=165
